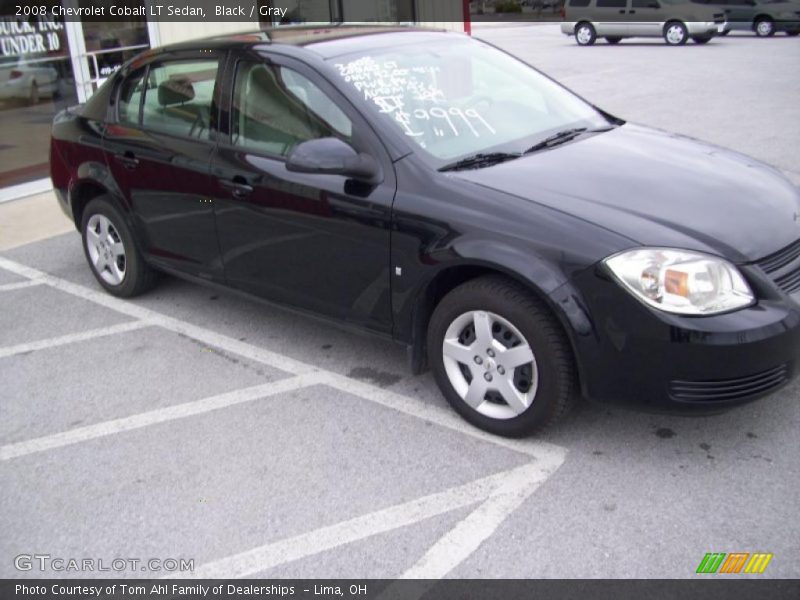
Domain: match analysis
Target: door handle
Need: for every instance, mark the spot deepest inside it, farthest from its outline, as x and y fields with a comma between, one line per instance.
x=631, y=12
x=622, y=12
x=127, y=159
x=239, y=189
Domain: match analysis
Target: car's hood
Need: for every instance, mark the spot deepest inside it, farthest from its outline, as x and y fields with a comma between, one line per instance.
x=659, y=189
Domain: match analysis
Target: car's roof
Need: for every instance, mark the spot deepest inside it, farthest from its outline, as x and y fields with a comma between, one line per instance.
x=325, y=40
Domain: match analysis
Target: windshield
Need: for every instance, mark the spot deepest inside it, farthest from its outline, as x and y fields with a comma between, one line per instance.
x=462, y=97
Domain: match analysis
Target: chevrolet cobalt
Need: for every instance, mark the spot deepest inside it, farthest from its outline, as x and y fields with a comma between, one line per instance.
x=525, y=245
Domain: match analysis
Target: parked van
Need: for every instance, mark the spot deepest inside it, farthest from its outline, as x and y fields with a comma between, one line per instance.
x=764, y=17
x=674, y=20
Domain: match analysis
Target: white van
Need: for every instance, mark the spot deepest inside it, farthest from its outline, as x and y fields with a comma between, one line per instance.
x=674, y=20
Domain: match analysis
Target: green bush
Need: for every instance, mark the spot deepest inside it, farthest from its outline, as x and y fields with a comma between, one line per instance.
x=508, y=7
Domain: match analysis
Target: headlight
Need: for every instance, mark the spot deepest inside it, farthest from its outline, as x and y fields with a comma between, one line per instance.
x=680, y=281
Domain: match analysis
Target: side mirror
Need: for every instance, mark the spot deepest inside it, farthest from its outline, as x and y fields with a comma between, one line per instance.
x=332, y=156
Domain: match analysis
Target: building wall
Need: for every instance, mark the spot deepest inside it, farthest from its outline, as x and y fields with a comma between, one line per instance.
x=169, y=33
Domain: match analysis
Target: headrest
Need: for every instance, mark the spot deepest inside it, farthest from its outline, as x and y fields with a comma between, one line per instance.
x=175, y=91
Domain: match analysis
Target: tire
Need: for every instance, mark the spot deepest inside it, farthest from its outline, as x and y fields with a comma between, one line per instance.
x=111, y=251
x=675, y=33
x=792, y=33
x=764, y=27
x=701, y=39
x=613, y=40
x=726, y=32
x=585, y=34
x=541, y=390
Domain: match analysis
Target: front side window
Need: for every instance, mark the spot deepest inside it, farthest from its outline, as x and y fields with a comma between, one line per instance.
x=461, y=97
x=275, y=108
x=179, y=97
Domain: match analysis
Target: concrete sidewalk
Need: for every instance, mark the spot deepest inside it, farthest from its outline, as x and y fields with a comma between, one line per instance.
x=31, y=219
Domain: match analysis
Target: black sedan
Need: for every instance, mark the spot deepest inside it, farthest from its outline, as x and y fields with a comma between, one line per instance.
x=526, y=245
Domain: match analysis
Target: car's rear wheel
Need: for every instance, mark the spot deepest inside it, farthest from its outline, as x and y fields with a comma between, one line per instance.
x=675, y=33
x=613, y=40
x=111, y=252
x=701, y=39
x=500, y=358
x=585, y=34
x=764, y=27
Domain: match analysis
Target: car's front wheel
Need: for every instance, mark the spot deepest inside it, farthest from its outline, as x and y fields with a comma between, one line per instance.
x=585, y=34
x=111, y=252
x=500, y=358
x=675, y=33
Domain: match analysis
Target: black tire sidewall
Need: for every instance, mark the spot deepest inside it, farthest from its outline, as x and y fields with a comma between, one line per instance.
x=545, y=404
x=133, y=261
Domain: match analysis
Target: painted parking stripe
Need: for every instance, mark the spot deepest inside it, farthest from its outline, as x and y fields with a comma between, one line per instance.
x=126, y=307
x=153, y=417
x=72, y=338
x=499, y=495
x=438, y=414
x=9, y=287
x=434, y=413
x=499, y=485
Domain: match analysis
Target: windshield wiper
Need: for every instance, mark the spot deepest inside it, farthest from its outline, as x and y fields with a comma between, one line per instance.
x=480, y=160
x=562, y=137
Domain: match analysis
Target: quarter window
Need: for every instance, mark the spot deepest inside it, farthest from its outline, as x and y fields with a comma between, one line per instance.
x=179, y=98
x=276, y=108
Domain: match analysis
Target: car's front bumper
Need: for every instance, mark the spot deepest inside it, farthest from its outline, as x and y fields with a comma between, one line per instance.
x=639, y=356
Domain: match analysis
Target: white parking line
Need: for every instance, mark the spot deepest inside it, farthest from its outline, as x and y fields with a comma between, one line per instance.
x=8, y=287
x=153, y=417
x=499, y=494
x=72, y=337
x=499, y=485
x=434, y=413
x=126, y=307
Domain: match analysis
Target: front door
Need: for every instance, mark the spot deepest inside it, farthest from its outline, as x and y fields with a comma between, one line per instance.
x=315, y=242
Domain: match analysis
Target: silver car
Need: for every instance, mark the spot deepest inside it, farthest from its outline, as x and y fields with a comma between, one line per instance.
x=27, y=80
x=675, y=20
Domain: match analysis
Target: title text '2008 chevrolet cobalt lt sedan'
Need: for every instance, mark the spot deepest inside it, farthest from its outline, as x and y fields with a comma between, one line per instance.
x=430, y=188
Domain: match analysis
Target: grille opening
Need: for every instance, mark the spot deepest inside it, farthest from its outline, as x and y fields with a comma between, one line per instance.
x=729, y=389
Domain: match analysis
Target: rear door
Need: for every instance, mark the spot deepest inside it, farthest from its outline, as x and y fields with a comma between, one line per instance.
x=612, y=16
x=159, y=151
x=315, y=242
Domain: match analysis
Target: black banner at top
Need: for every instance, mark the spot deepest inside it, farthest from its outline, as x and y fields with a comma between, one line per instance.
x=393, y=11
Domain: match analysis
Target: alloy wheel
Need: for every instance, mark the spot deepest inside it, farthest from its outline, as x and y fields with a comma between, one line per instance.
x=106, y=250
x=490, y=364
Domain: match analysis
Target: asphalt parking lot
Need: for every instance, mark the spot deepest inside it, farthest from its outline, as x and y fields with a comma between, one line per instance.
x=193, y=424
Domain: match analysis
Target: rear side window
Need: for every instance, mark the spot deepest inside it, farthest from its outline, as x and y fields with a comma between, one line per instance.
x=179, y=97
x=612, y=3
x=276, y=108
x=578, y=3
